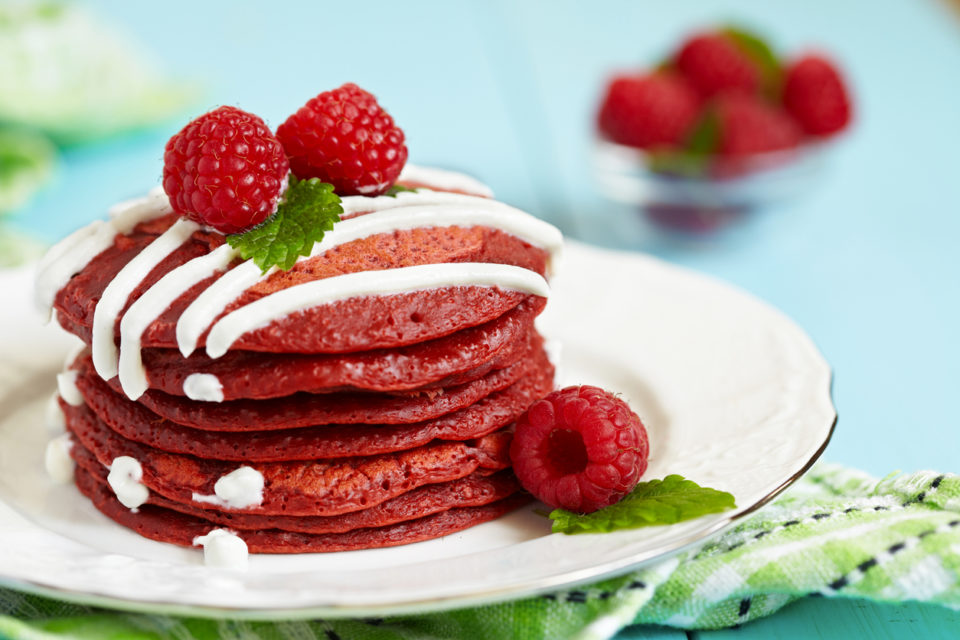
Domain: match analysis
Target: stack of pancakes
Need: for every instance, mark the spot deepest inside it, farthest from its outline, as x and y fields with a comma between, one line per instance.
x=373, y=421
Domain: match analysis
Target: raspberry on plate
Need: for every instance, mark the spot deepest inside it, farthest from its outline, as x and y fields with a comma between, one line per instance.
x=580, y=449
x=749, y=125
x=712, y=63
x=344, y=137
x=225, y=170
x=815, y=95
x=648, y=110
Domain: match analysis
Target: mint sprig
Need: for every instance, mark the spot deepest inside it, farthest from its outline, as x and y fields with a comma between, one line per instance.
x=668, y=501
x=762, y=55
x=693, y=159
x=308, y=210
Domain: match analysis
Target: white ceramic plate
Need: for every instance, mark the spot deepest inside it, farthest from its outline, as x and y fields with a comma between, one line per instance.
x=734, y=396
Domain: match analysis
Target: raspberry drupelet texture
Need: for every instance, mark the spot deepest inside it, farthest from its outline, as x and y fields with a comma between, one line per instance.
x=225, y=170
x=344, y=137
x=713, y=64
x=648, y=111
x=815, y=95
x=580, y=448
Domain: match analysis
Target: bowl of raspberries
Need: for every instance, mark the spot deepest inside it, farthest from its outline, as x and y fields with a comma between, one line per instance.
x=722, y=126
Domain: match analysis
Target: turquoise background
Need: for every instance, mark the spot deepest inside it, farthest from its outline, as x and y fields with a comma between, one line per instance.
x=866, y=261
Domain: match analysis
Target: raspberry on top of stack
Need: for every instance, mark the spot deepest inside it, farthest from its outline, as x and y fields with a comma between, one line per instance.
x=300, y=344
x=725, y=96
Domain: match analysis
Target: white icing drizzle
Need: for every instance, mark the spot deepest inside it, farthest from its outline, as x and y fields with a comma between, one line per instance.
x=408, y=210
x=223, y=549
x=203, y=387
x=67, y=387
x=124, y=478
x=353, y=205
x=475, y=212
x=73, y=353
x=201, y=312
x=156, y=299
x=115, y=295
x=423, y=208
x=239, y=489
x=443, y=179
x=57, y=460
x=404, y=279
x=53, y=418
x=69, y=256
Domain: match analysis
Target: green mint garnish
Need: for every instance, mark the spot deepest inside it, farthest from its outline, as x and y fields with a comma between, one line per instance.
x=397, y=188
x=673, y=499
x=693, y=159
x=762, y=55
x=308, y=210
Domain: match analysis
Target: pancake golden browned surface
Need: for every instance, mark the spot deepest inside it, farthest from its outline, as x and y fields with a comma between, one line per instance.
x=366, y=417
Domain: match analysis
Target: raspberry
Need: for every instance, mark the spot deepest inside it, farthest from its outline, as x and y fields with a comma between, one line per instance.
x=225, y=170
x=580, y=449
x=345, y=138
x=748, y=125
x=815, y=95
x=712, y=63
x=648, y=111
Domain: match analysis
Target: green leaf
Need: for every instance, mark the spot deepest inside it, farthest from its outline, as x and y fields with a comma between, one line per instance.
x=758, y=50
x=26, y=162
x=693, y=159
x=705, y=137
x=673, y=499
x=97, y=81
x=397, y=188
x=308, y=210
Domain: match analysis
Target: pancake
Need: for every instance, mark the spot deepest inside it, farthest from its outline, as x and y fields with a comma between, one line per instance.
x=454, y=359
x=299, y=488
x=374, y=407
x=166, y=525
x=307, y=410
x=357, y=324
x=135, y=422
x=479, y=488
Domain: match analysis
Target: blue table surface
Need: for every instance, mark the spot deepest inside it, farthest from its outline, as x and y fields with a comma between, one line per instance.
x=865, y=261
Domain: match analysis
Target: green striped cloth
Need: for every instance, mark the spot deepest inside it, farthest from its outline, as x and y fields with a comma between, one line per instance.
x=837, y=533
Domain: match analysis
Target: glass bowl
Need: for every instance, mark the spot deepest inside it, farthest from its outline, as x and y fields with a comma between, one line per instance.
x=696, y=195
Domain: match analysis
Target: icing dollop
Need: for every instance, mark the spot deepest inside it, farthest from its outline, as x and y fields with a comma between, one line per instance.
x=239, y=489
x=67, y=387
x=124, y=478
x=223, y=549
x=57, y=460
x=204, y=387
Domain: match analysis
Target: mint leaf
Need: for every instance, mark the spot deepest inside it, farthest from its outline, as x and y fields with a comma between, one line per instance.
x=693, y=159
x=397, y=188
x=666, y=501
x=757, y=49
x=705, y=137
x=308, y=210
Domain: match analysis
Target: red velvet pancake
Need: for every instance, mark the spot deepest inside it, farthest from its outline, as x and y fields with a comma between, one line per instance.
x=299, y=488
x=357, y=324
x=472, y=491
x=307, y=410
x=134, y=422
x=166, y=525
x=454, y=359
